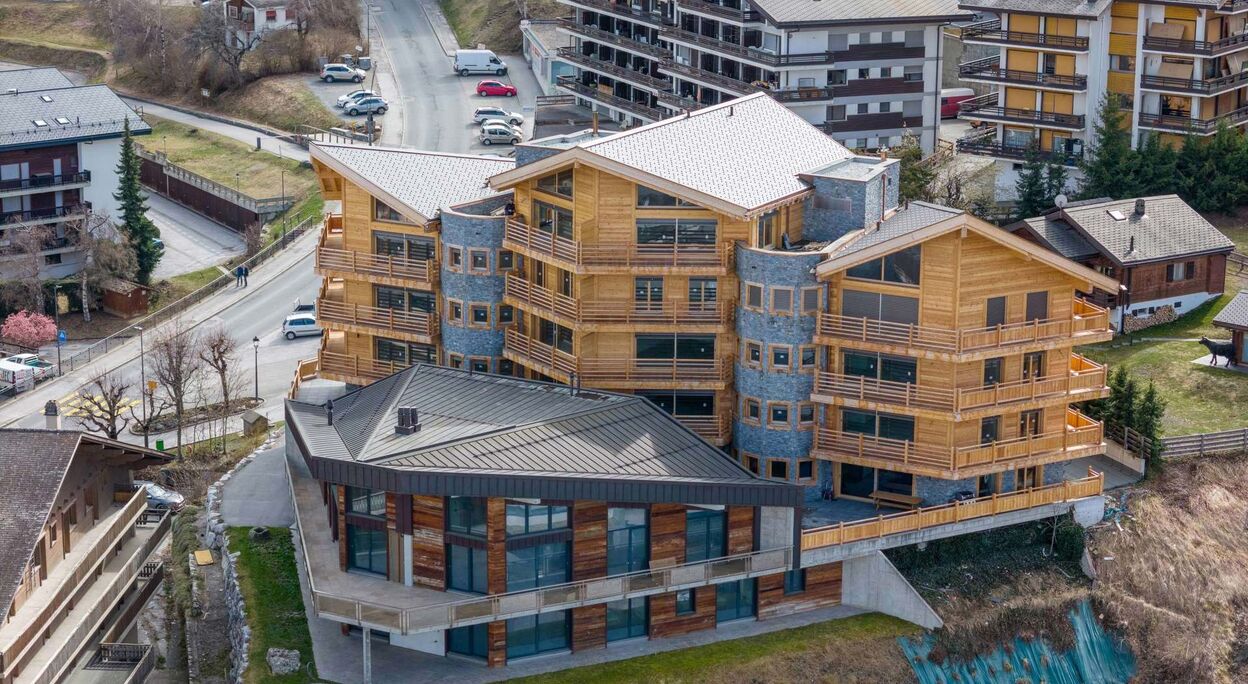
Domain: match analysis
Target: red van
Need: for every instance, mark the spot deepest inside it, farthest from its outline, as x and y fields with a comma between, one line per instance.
x=950, y=98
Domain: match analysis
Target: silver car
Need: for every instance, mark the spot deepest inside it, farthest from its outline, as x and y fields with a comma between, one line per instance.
x=485, y=114
x=364, y=105
x=499, y=133
x=299, y=324
x=343, y=100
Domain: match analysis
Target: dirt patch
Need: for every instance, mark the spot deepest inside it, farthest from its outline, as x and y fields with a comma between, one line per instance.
x=93, y=64
x=283, y=102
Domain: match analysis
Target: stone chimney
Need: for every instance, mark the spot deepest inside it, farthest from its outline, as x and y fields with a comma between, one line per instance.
x=52, y=415
x=1139, y=207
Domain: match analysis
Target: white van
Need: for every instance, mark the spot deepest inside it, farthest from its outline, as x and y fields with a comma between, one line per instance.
x=16, y=375
x=479, y=62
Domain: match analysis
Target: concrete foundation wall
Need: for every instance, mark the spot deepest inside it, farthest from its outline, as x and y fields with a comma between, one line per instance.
x=872, y=583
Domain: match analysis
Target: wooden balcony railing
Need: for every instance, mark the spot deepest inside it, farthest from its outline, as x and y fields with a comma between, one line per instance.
x=953, y=513
x=715, y=429
x=1080, y=432
x=379, y=265
x=519, y=235
x=990, y=32
x=385, y=319
x=1202, y=48
x=1086, y=319
x=352, y=366
x=621, y=312
x=608, y=371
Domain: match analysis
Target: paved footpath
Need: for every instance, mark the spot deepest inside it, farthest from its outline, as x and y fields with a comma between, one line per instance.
x=268, y=143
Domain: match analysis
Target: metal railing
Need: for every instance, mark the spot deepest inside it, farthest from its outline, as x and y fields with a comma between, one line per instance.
x=137, y=659
x=989, y=146
x=609, y=99
x=626, y=42
x=656, y=83
x=736, y=14
x=729, y=83
x=46, y=181
x=1203, y=48
x=1184, y=123
x=953, y=513
x=1206, y=86
x=623, y=10
x=990, y=32
x=973, y=109
x=989, y=69
x=27, y=215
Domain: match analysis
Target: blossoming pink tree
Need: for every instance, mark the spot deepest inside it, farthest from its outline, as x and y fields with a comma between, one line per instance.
x=28, y=329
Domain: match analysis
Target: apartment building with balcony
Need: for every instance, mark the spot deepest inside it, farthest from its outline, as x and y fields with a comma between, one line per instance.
x=1175, y=67
x=863, y=72
x=80, y=557
x=59, y=148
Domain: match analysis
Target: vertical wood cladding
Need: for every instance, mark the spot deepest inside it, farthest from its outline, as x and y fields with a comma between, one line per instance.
x=496, y=545
x=589, y=627
x=496, y=641
x=823, y=589
x=589, y=539
x=740, y=530
x=428, y=541
x=342, y=528
x=664, y=622
x=667, y=534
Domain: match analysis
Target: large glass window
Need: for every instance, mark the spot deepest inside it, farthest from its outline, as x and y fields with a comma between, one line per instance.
x=552, y=219
x=529, y=518
x=384, y=212
x=880, y=307
x=466, y=515
x=705, y=533
x=404, y=299
x=861, y=481
x=734, y=600
x=647, y=197
x=366, y=549
x=537, y=566
x=559, y=183
x=398, y=245
x=681, y=403
x=667, y=231
x=899, y=267
x=405, y=353
x=554, y=335
x=881, y=367
x=703, y=290
x=628, y=546
x=675, y=346
x=626, y=619
x=878, y=424
x=366, y=502
x=535, y=634
x=472, y=640
x=466, y=569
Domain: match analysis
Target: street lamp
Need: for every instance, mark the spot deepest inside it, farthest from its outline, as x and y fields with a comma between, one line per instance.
x=56, y=312
x=255, y=345
x=142, y=383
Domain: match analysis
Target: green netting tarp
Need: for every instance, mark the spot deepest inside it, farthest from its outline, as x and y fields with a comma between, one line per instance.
x=1098, y=658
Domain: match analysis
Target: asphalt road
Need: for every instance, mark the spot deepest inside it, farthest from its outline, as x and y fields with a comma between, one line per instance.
x=191, y=241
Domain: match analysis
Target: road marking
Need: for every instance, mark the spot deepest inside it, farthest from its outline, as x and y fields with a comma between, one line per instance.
x=76, y=405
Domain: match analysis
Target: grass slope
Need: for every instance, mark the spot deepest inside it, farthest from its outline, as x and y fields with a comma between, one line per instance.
x=54, y=23
x=283, y=102
x=269, y=582
x=494, y=23
x=862, y=648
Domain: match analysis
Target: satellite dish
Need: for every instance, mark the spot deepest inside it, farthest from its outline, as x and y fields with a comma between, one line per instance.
x=1061, y=201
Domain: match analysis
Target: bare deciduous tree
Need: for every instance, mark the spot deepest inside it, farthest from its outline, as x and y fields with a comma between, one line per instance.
x=177, y=366
x=149, y=411
x=216, y=37
x=105, y=257
x=103, y=405
x=24, y=289
x=219, y=352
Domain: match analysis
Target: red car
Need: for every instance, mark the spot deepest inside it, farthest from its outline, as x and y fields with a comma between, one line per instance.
x=495, y=88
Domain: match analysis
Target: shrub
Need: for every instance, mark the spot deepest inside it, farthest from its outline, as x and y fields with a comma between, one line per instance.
x=28, y=329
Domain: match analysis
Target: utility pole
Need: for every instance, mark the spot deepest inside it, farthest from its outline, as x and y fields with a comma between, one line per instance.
x=255, y=345
x=143, y=388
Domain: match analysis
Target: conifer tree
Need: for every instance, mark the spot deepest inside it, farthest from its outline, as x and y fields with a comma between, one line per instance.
x=140, y=233
x=1157, y=168
x=1148, y=415
x=1031, y=187
x=1108, y=167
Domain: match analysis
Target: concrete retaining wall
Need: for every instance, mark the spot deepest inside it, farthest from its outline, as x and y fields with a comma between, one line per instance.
x=872, y=583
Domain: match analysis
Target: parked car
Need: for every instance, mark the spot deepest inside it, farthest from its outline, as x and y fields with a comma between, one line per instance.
x=299, y=324
x=43, y=369
x=341, y=72
x=485, y=88
x=499, y=133
x=478, y=62
x=364, y=105
x=354, y=95
x=300, y=307
x=159, y=498
x=15, y=377
x=500, y=122
x=482, y=114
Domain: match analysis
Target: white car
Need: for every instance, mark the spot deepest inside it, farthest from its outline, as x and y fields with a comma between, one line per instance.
x=355, y=95
x=341, y=72
x=483, y=114
x=499, y=133
x=299, y=324
x=43, y=369
x=501, y=122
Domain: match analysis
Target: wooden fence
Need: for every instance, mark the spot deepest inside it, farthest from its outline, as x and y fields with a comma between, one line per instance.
x=1184, y=445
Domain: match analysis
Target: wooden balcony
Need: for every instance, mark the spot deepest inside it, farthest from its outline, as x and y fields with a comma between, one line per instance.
x=1088, y=323
x=991, y=32
x=694, y=259
x=988, y=70
x=415, y=326
x=353, y=369
x=1200, y=48
x=953, y=513
x=984, y=108
x=333, y=262
x=593, y=315
x=715, y=429
x=1082, y=437
x=623, y=373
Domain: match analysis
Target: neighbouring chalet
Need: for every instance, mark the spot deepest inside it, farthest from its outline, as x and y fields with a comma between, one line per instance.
x=79, y=555
x=59, y=148
x=1234, y=317
x=249, y=19
x=1167, y=257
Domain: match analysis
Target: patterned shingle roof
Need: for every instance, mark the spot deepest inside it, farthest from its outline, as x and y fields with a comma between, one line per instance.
x=1168, y=229
x=426, y=182
x=858, y=12
x=1235, y=314
x=1068, y=8
x=917, y=216
x=88, y=112
x=34, y=78
x=1058, y=236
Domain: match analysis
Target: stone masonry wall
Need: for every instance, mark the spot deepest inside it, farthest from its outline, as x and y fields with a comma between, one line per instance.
x=469, y=231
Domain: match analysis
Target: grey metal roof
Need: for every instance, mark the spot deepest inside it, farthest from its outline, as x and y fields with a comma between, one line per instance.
x=747, y=151
x=547, y=34
x=1234, y=314
x=785, y=12
x=33, y=78
x=424, y=181
x=1087, y=9
x=916, y=216
x=1168, y=229
x=91, y=112
x=1057, y=235
x=488, y=426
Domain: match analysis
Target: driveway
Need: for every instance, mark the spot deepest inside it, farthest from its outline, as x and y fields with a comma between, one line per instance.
x=258, y=495
x=192, y=242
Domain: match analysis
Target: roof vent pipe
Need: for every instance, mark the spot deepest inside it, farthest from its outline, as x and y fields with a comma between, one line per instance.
x=329, y=412
x=409, y=421
x=1139, y=207
x=1131, y=245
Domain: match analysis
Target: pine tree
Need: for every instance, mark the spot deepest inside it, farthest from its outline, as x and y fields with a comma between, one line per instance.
x=1157, y=168
x=1055, y=178
x=1110, y=407
x=140, y=233
x=1109, y=165
x=916, y=179
x=1148, y=415
x=1031, y=187
x=1190, y=167
x=1221, y=186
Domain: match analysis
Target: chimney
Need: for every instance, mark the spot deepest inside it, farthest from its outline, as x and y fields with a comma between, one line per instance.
x=52, y=415
x=1139, y=207
x=329, y=412
x=409, y=421
x=730, y=108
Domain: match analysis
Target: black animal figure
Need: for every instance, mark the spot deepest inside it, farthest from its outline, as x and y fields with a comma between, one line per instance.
x=1217, y=349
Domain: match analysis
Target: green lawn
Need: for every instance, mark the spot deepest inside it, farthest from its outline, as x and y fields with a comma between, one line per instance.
x=270, y=585
x=786, y=655
x=227, y=161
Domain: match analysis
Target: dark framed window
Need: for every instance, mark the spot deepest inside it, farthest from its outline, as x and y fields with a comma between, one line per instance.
x=403, y=299
x=554, y=335
x=705, y=533
x=405, y=353
x=627, y=619
x=881, y=366
x=559, y=183
x=989, y=429
x=480, y=314
x=753, y=296
x=734, y=600
x=778, y=469
x=506, y=314
x=455, y=257
x=805, y=469
x=878, y=424
x=703, y=290
x=900, y=267
x=648, y=290
x=751, y=464
x=992, y=371
x=686, y=602
x=552, y=219
x=506, y=367
x=1033, y=365
x=667, y=231
x=628, y=534
x=466, y=515
x=810, y=357
x=1030, y=423
x=537, y=566
x=472, y=641
x=535, y=634
x=880, y=307
x=369, y=502
x=794, y=581
x=1037, y=305
x=506, y=260
x=479, y=365
x=778, y=413
x=398, y=245
x=466, y=569
x=752, y=410
x=682, y=403
x=478, y=260
x=366, y=549
x=649, y=197
x=524, y=518
x=384, y=212
x=675, y=346
x=780, y=357
x=994, y=312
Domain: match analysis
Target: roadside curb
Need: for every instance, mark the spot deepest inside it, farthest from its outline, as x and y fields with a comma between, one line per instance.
x=441, y=28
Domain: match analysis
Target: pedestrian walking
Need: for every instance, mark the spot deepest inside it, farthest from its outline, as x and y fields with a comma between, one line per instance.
x=246, y=272
x=238, y=276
